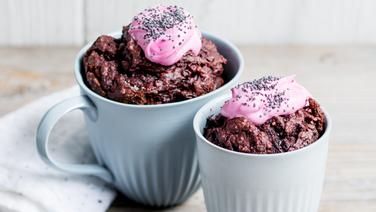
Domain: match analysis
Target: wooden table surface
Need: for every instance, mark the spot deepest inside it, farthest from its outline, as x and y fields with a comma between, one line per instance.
x=342, y=78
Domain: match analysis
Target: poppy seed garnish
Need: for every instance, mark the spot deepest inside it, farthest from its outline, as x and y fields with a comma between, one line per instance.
x=164, y=27
x=156, y=23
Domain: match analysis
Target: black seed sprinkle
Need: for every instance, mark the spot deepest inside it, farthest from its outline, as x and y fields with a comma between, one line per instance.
x=155, y=23
x=272, y=100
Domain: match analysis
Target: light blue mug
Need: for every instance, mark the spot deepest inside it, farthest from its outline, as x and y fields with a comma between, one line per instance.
x=145, y=151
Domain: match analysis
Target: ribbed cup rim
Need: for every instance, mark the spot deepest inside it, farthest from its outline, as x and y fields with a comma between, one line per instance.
x=215, y=104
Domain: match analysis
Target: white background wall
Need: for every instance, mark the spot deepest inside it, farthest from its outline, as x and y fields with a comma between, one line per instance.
x=73, y=22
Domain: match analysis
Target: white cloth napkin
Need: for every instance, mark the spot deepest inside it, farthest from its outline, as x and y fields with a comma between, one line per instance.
x=28, y=184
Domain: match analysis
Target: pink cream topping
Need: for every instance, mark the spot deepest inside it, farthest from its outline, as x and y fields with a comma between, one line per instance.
x=264, y=98
x=165, y=34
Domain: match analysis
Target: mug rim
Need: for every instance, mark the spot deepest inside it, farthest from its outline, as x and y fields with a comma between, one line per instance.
x=214, y=102
x=81, y=83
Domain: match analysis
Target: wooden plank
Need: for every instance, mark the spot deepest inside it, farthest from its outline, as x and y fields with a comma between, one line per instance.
x=46, y=22
x=41, y=22
x=29, y=73
x=102, y=17
x=254, y=21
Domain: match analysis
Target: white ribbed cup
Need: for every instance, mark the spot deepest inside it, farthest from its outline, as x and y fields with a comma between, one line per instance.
x=240, y=182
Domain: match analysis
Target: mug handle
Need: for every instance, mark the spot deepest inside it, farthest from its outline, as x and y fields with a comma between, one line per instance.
x=46, y=125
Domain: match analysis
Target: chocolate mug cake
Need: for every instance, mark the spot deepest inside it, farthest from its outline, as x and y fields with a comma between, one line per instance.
x=161, y=57
x=146, y=148
x=264, y=148
x=266, y=116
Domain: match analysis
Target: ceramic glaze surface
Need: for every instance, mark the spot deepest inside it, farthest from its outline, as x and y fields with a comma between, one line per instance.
x=147, y=151
x=240, y=182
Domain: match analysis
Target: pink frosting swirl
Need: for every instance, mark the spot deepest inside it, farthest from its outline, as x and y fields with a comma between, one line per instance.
x=165, y=34
x=264, y=98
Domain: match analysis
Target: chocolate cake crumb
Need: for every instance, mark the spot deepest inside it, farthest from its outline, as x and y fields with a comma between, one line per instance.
x=279, y=134
x=118, y=69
